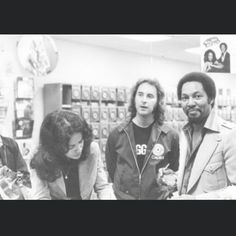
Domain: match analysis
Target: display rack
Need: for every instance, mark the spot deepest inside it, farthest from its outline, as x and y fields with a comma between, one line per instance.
x=226, y=104
x=24, y=121
x=3, y=107
x=174, y=115
x=106, y=107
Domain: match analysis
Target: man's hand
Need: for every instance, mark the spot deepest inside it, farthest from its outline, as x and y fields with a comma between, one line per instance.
x=167, y=176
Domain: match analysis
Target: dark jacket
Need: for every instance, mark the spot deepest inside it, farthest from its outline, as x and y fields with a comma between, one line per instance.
x=226, y=63
x=128, y=181
x=11, y=155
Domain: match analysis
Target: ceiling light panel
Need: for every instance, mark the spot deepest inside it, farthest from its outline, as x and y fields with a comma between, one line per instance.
x=145, y=38
x=194, y=50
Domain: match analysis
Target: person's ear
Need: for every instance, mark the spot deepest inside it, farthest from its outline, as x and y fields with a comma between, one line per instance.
x=211, y=101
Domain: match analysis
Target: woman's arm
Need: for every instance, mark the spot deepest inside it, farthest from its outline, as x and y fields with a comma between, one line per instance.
x=206, y=67
x=39, y=190
x=102, y=187
x=217, y=65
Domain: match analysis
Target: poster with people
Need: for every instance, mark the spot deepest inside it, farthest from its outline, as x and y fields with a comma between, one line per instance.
x=218, y=53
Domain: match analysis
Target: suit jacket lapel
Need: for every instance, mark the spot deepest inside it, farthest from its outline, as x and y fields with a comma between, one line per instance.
x=58, y=189
x=182, y=159
x=205, y=152
x=130, y=132
x=87, y=175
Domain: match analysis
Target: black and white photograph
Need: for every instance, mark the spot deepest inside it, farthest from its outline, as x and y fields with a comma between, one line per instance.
x=117, y=117
x=218, y=53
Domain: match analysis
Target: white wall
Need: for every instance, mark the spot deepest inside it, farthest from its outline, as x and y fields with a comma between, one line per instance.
x=83, y=64
x=101, y=66
x=224, y=80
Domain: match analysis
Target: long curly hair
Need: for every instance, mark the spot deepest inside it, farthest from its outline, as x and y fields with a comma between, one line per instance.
x=158, y=112
x=55, y=134
x=207, y=53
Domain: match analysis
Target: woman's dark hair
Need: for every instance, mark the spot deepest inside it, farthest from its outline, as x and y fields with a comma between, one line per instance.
x=206, y=55
x=224, y=45
x=206, y=81
x=55, y=134
x=159, y=109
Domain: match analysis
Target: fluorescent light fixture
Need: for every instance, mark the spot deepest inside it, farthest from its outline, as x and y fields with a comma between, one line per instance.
x=145, y=37
x=194, y=50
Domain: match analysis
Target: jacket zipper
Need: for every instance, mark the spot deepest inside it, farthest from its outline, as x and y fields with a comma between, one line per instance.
x=5, y=155
x=147, y=161
x=149, y=155
x=140, y=175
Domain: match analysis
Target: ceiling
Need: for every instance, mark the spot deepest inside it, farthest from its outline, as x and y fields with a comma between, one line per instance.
x=173, y=48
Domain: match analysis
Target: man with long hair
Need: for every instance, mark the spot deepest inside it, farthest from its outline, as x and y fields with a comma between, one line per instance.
x=140, y=147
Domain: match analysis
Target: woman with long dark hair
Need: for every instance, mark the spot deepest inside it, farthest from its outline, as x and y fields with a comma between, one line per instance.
x=67, y=164
x=211, y=64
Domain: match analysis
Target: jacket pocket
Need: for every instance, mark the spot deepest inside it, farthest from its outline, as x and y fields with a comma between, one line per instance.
x=211, y=168
x=214, y=177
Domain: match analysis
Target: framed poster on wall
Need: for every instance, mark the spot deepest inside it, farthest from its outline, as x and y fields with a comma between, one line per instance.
x=218, y=53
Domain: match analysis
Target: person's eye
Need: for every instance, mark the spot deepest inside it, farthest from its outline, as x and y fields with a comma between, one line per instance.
x=140, y=94
x=184, y=99
x=198, y=96
x=150, y=96
x=71, y=147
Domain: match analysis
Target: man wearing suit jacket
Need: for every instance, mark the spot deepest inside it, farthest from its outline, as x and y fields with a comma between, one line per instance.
x=224, y=59
x=207, y=165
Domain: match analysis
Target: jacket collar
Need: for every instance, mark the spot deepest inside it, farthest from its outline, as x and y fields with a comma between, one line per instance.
x=1, y=141
x=87, y=177
x=154, y=136
x=127, y=124
x=4, y=141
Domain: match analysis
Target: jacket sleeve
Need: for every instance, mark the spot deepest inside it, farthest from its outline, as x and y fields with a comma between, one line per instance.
x=174, y=154
x=102, y=187
x=227, y=62
x=40, y=189
x=111, y=156
x=229, y=154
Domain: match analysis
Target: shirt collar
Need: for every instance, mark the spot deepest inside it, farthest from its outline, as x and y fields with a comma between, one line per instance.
x=212, y=122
